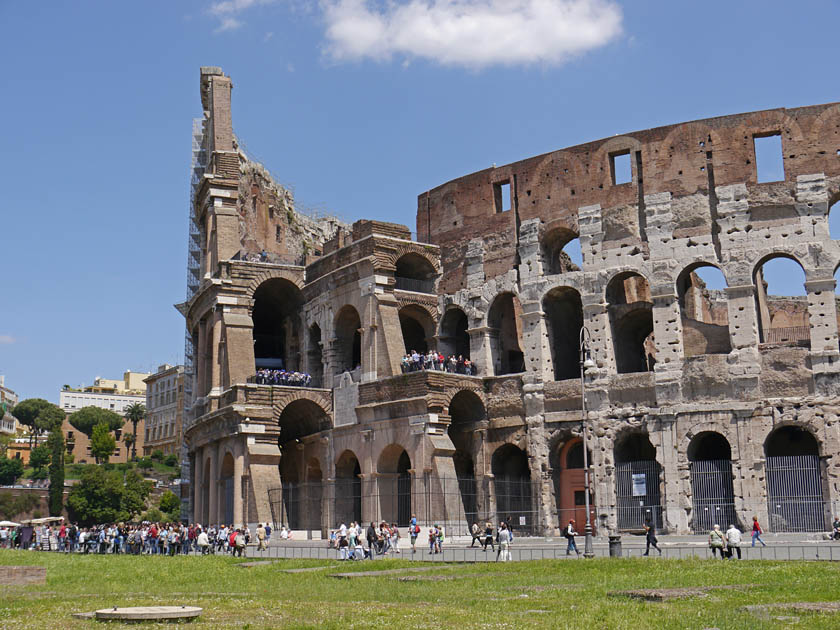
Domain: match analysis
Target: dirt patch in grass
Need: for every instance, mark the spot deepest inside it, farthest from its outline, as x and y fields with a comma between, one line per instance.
x=669, y=594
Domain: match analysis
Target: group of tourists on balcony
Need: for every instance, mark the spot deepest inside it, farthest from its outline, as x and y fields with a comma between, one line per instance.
x=433, y=360
x=282, y=377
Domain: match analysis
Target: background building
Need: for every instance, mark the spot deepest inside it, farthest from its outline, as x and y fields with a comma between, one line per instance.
x=8, y=399
x=164, y=410
x=114, y=395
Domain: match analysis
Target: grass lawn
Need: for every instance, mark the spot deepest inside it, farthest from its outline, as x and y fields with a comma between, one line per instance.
x=540, y=594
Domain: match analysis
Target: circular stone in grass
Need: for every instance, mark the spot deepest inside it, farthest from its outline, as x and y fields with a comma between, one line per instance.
x=149, y=613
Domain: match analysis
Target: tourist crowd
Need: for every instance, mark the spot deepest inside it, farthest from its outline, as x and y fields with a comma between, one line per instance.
x=282, y=377
x=433, y=360
x=145, y=538
x=357, y=542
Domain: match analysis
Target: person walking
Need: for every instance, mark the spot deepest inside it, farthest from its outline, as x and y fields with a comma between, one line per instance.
x=650, y=537
x=570, y=533
x=757, y=532
x=260, y=537
x=476, y=534
x=733, y=541
x=488, y=536
x=717, y=542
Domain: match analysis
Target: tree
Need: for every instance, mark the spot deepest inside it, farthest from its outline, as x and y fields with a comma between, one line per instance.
x=87, y=418
x=135, y=413
x=170, y=505
x=38, y=458
x=10, y=470
x=130, y=440
x=39, y=415
x=55, y=443
x=101, y=496
x=102, y=443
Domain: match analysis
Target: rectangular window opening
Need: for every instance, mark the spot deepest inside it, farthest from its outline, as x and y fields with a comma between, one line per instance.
x=769, y=162
x=278, y=234
x=622, y=172
x=501, y=194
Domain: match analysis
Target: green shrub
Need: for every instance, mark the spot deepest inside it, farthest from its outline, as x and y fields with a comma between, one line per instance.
x=157, y=455
x=145, y=463
x=170, y=460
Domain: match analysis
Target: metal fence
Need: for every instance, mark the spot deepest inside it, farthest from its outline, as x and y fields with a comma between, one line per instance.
x=411, y=284
x=637, y=494
x=454, y=503
x=794, y=494
x=713, y=497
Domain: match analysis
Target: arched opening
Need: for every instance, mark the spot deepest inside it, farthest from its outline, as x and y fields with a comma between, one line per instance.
x=418, y=328
x=560, y=249
x=415, y=273
x=276, y=317
x=564, y=318
x=704, y=310
x=315, y=358
x=348, y=339
x=637, y=478
x=226, y=483
x=505, y=322
x=712, y=493
x=454, y=339
x=781, y=302
x=569, y=477
x=512, y=481
x=301, y=418
x=631, y=317
x=313, y=494
x=394, y=481
x=795, y=494
x=465, y=409
x=834, y=219
x=348, y=489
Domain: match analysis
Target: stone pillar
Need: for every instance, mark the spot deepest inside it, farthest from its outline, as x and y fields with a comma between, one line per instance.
x=535, y=343
x=238, y=469
x=215, y=349
x=667, y=330
x=198, y=487
x=213, y=484
x=481, y=351
x=591, y=232
x=674, y=517
x=745, y=363
x=822, y=317
x=531, y=267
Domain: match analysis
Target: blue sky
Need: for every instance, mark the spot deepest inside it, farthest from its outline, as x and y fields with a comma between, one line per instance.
x=359, y=106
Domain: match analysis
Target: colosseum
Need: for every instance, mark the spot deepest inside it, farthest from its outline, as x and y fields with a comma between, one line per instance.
x=689, y=404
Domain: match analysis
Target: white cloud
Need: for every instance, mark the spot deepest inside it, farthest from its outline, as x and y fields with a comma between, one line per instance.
x=228, y=10
x=472, y=33
x=7, y=339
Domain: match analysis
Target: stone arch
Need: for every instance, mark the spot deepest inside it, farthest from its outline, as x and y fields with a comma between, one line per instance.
x=569, y=480
x=563, y=312
x=415, y=272
x=704, y=313
x=638, y=478
x=512, y=486
x=454, y=338
x=347, y=327
x=712, y=492
x=781, y=319
x=418, y=328
x=796, y=483
x=273, y=274
x=301, y=415
x=504, y=319
x=348, y=488
x=393, y=475
x=630, y=310
x=401, y=251
x=275, y=312
x=552, y=244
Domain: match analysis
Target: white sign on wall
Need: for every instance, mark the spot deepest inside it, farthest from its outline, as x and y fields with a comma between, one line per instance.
x=639, y=485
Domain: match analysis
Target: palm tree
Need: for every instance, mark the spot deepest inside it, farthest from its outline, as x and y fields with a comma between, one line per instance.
x=134, y=413
x=129, y=439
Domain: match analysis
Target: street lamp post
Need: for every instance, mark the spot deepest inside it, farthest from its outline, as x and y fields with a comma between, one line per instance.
x=586, y=362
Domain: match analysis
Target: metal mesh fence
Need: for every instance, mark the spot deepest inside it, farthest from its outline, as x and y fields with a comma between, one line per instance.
x=454, y=503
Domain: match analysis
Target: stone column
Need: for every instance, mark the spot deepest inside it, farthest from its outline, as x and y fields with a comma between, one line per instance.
x=745, y=370
x=480, y=350
x=822, y=317
x=674, y=516
x=535, y=343
x=667, y=330
x=213, y=484
x=198, y=487
x=238, y=469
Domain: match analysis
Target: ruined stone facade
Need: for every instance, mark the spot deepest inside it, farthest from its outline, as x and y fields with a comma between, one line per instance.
x=702, y=405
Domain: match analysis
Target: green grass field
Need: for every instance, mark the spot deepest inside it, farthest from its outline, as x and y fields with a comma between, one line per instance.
x=543, y=594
